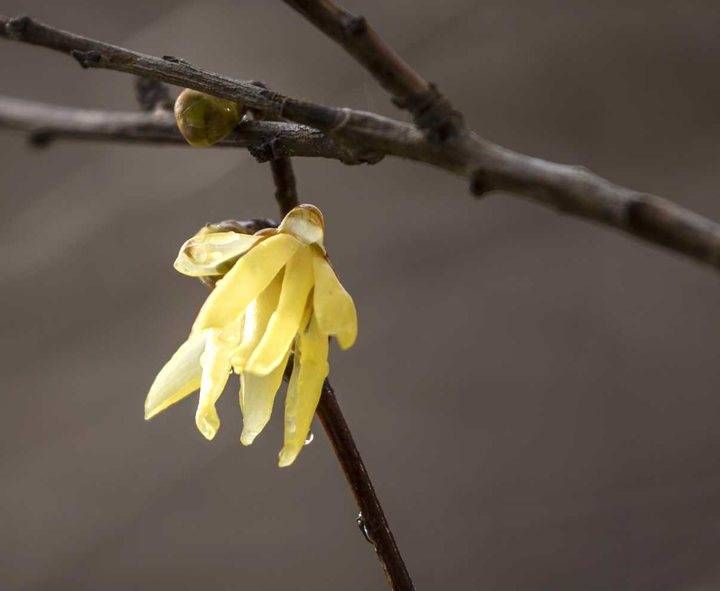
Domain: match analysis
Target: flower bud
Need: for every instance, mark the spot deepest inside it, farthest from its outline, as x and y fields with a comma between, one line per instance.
x=203, y=119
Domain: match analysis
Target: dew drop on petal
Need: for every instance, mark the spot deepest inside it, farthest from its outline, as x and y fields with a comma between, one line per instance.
x=309, y=440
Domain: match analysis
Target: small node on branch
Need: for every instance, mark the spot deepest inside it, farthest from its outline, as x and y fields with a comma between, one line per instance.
x=354, y=25
x=173, y=59
x=259, y=114
x=16, y=27
x=266, y=151
x=432, y=113
x=480, y=184
x=87, y=59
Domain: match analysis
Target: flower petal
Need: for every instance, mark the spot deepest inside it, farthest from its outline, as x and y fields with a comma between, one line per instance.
x=211, y=253
x=306, y=223
x=243, y=283
x=257, y=317
x=257, y=395
x=304, y=390
x=287, y=318
x=215, y=373
x=179, y=377
x=334, y=308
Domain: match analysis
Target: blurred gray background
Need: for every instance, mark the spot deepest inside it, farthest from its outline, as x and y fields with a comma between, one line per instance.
x=536, y=397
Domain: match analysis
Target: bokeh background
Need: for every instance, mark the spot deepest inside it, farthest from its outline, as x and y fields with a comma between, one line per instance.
x=536, y=397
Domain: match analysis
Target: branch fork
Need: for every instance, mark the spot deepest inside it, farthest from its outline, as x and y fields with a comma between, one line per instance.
x=440, y=139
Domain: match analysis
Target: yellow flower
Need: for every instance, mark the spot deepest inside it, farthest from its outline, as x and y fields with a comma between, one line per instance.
x=279, y=295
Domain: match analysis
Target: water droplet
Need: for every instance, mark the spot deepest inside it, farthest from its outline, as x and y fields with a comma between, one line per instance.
x=310, y=438
x=364, y=528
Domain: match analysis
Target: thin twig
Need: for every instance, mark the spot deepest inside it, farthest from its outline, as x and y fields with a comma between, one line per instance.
x=431, y=111
x=372, y=517
x=570, y=189
x=46, y=123
x=375, y=525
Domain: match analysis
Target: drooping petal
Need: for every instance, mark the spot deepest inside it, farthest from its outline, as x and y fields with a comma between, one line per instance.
x=257, y=317
x=334, y=308
x=287, y=317
x=244, y=282
x=215, y=373
x=179, y=377
x=257, y=395
x=304, y=390
x=211, y=253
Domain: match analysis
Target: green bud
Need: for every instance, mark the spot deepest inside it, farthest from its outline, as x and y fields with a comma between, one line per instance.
x=203, y=119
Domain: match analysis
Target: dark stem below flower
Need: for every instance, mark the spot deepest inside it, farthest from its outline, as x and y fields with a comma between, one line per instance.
x=375, y=525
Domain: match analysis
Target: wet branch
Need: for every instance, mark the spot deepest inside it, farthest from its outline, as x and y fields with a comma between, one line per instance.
x=570, y=189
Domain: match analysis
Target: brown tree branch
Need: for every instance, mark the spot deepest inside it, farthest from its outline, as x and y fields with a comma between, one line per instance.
x=430, y=110
x=355, y=34
x=570, y=189
x=46, y=123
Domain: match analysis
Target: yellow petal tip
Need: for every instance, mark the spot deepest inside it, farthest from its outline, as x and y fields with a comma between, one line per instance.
x=153, y=411
x=248, y=437
x=287, y=456
x=346, y=341
x=207, y=429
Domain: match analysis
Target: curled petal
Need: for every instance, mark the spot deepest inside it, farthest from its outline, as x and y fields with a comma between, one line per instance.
x=178, y=378
x=257, y=395
x=334, y=308
x=212, y=253
x=304, y=390
x=215, y=372
x=287, y=318
x=257, y=317
x=244, y=282
x=306, y=223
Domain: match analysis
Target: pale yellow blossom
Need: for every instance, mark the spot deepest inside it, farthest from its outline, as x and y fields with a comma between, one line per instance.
x=277, y=296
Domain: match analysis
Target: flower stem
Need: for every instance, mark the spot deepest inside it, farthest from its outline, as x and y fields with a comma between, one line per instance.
x=285, y=188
